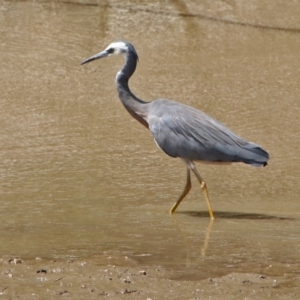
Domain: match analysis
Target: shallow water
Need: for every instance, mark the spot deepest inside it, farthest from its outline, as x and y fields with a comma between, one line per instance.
x=80, y=178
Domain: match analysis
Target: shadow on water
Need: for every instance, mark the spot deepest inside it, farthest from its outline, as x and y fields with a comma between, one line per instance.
x=233, y=215
x=202, y=246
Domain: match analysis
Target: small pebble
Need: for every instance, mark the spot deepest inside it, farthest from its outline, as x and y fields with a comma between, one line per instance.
x=103, y=294
x=142, y=272
x=64, y=292
x=15, y=261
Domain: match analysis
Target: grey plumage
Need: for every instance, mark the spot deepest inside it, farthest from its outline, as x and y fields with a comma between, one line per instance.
x=180, y=130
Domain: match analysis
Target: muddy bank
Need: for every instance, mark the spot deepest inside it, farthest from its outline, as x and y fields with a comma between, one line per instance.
x=85, y=279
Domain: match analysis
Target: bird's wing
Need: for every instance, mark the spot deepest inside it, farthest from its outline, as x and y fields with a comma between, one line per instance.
x=182, y=131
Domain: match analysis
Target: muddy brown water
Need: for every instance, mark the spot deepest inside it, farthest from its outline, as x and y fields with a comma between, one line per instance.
x=79, y=178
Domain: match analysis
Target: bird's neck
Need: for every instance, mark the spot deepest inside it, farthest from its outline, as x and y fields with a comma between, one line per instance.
x=135, y=106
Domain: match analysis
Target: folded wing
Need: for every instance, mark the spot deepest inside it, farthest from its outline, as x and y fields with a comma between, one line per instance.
x=182, y=131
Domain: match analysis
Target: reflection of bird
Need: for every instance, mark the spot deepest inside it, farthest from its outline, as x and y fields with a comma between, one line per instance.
x=180, y=130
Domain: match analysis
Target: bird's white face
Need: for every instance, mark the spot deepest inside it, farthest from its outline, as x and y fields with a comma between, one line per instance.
x=114, y=48
x=117, y=48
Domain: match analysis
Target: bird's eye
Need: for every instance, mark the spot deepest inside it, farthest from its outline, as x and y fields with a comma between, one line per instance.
x=110, y=50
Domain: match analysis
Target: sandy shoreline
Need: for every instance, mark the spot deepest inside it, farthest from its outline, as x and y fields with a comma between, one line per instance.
x=85, y=279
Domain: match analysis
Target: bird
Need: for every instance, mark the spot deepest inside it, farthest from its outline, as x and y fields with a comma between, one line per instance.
x=181, y=131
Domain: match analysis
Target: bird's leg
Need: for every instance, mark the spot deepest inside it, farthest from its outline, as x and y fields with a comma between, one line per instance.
x=186, y=190
x=204, y=189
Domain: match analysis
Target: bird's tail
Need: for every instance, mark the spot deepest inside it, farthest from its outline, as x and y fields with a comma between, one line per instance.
x=254, y=155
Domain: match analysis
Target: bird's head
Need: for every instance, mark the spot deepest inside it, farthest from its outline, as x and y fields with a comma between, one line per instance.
x=115, y=48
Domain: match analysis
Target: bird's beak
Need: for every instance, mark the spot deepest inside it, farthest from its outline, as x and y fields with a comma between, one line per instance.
x=96, y=56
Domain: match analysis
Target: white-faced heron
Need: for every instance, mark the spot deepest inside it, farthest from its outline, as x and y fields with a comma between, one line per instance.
x=180, y=130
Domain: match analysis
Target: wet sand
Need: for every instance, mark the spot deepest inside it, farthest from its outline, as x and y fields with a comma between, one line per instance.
x=85, y=279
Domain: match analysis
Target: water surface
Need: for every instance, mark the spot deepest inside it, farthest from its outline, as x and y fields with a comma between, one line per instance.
x=80, y=178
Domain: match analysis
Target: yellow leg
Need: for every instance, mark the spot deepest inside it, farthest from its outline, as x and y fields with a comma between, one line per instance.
x=204, y=189
x=186, y=190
